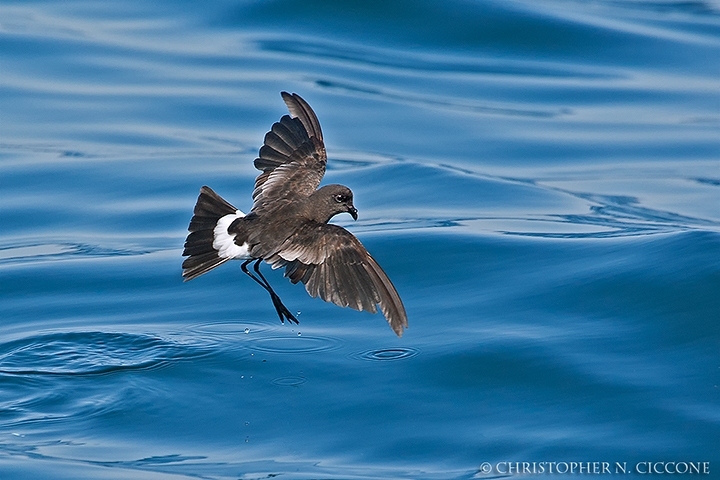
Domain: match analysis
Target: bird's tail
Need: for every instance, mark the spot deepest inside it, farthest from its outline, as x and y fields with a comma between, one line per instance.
x=202, y=255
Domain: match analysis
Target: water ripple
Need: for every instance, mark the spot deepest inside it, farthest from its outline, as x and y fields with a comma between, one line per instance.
x=386, y=354
x=88, y=353
x=33, y=252
x=437, y=101
x=619, y=216
x=709, y=181
x=296, y=344
x=218, y=332
x=408, y=60
x=289, y=381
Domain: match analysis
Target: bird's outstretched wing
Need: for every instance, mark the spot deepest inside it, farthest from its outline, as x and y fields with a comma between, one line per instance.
x=292, y=158
x=338, y=269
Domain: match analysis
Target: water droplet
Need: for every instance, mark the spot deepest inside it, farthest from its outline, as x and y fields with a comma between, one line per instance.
x=242, y=376
x=299, y=334
x=247, y=423
x=247, y=439
x=247, y=330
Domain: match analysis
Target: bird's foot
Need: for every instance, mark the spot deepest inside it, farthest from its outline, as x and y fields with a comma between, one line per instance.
x=282, y=310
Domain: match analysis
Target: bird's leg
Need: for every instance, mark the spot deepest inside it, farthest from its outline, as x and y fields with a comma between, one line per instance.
x=280, y=308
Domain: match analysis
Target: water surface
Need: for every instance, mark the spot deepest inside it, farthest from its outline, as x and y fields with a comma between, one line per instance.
x=539, y=179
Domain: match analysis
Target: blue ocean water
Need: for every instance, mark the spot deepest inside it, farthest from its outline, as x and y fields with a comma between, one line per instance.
x=541, y=180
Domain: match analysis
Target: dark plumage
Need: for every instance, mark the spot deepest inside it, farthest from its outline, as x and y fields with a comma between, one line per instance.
x=288, y=226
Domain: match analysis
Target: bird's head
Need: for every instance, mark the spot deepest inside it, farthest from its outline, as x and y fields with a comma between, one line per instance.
x=337, y=199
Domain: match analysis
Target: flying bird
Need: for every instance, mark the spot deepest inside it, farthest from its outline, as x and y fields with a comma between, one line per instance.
x=288, y=227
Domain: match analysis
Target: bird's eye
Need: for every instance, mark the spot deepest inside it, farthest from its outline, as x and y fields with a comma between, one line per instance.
x=339, y=198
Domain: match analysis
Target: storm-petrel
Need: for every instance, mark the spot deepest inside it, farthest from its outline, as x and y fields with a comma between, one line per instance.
x=288, y=226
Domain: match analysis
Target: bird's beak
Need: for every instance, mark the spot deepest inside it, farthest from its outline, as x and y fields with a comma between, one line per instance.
x=352, y=211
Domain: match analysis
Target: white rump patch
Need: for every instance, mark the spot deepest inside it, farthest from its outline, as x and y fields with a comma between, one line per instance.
x=224, y=243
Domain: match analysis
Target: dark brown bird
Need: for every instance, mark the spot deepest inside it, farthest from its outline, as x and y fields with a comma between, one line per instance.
x=288, y=226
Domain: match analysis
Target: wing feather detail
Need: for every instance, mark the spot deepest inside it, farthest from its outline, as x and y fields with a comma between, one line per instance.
x=299, y=108
x=340, y=270
x=292, y=158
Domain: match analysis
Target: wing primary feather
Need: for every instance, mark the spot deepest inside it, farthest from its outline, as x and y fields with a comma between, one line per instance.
x=390, y=302
x=275, y=141
x=270, y=158
x=291, y=131
x=299, y=108
x=338, y=288
x=370, y=296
